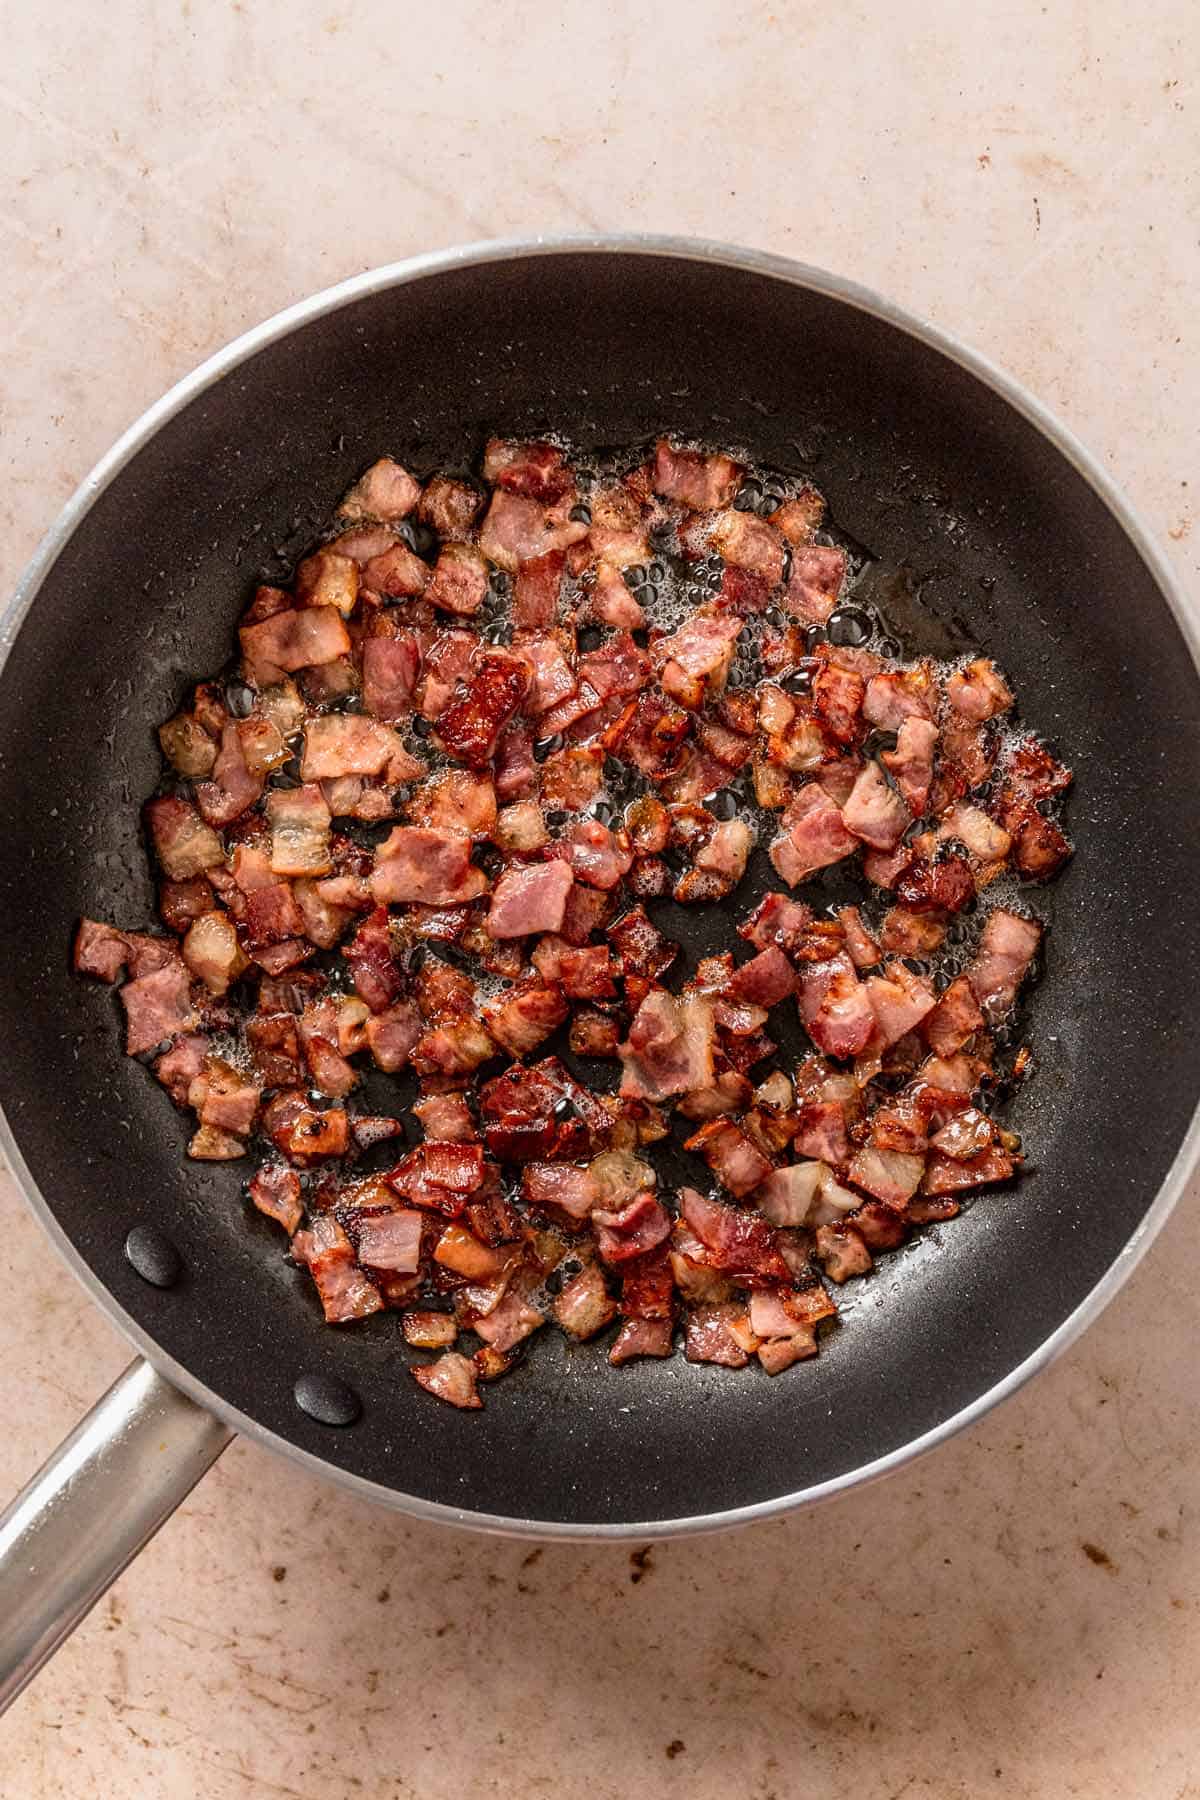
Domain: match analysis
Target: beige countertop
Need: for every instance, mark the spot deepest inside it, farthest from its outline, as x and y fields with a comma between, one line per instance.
x=1018, y=1614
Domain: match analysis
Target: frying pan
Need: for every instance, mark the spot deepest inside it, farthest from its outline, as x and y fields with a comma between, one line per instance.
x=982, y=520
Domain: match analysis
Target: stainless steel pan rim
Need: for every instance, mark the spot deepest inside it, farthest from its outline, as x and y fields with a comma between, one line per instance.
x=701, y=250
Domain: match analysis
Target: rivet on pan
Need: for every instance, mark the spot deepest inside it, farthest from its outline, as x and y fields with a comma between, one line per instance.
x=153, y=1255
x=327, y=1400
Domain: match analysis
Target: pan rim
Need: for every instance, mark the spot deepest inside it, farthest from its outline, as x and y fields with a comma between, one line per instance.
x=753, y=262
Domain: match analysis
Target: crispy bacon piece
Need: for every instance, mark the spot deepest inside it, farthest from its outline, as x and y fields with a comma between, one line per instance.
x=585, y=1306
x=836, y=1007
x=308, y=637
x=530, y=899
x=275, y=1191
x=471, y=726
x=670, y=1047
x=372, y=963
x=739, y=1243
x=951, y=1175
x=815, y=582
x=979, y=691
x=183, y=843
x=734, y=1158
x=450, y=507
x=526, y=1016
x=632, y=1232
x=940, y=887
x=596, y=855
x=300, y=825
x=344, y=1291
x=749, y=543
x=451, y=1378
x=695, y=661
x=562, y=1190
x=1007, y=946
x=702, y=483
x=519, y=530
x=433, y=867
x=212, y=952
x=387, y=491
x=391, y=669
x=910, y=764
x=814, y=835
x=445, y=662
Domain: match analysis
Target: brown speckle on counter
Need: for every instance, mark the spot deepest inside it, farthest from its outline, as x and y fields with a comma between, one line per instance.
x=641, y=1565
x=675, y=1748
x=1100, y=1557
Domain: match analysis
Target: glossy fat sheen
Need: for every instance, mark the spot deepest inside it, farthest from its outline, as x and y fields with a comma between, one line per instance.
x=916, y=443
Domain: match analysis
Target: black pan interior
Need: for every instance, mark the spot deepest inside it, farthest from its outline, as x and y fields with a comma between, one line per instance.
x=1005, y=546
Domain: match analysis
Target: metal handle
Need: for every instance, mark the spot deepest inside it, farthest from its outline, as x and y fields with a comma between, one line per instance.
x=90, y=1508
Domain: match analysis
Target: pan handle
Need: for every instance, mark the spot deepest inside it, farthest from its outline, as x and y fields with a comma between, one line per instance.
x=89, y=1509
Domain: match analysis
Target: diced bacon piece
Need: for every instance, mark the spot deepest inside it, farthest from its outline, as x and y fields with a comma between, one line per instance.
x=187, y=746
x=587, y=909
x=300, y=823
x=386, y=491
x=890, y=1175
x=179, y=902
x=397, y=573
x=211, y=1144
x=391, y=668
x=450, y=507
x=947, y=1175
x=593, y=1033
x=587, y=973
x=842, y=1251
x=445, y=663
x=518, y=530
x=821, y=1131
x=838, y=695
x=429, y=1330
x=157, y=1006
x=814, y=836
x=459, y=801
x=814, y=582
x=390, y=1241
x=536, y=469
x=742, y=1244
x=212, y=952
x=372, y=964
x=619, y=668
x=908, y=933
x=711, y=1335
x=941, y=887
x=148, y=953
x=272, y=916
x=836, y=1007
x=324, y=925
x=274, y=1046
x=179, y=1066
x=392, y=1035
x=778, y=1354
x=898, y=695
x=551, y=679
x=883, y=869
x=585, y=1305
x=701, y=652
x=595, y=855
x=224, y=1098
x=699, y=482
x=641, y=1337
x=275, y=958
x=633, y=1231
x=275, y=1191
x=670, y=1047
x=309, y=637
x=459, y=583
x=462, y=1253
x=748, y=542
x=250, y=866
x=766, y=979
x=734, y=1158
x=525, y=1016
x=433, y=867
x=232, y=789
x=987, y=843
x=100, y=950
x=611, y=602
x=451, y=1378
x=776, y=920
x=1040, y=848
x=1007, y=946
x=617, y=533
x=446, y=1118
x=910, y=764
x=874, y=812
x=328, y=578
x=347, y=744
x=509, y=1323
x=345, y=1292
x=560, y=1189
x=899, y=1000
x=720, y=863
x=954, y=1019
x=862, y=948
x=496, y=688
x=536, y=589
x=965, y=1135
x=801, y=516
x=529, y=899
x=979, y=691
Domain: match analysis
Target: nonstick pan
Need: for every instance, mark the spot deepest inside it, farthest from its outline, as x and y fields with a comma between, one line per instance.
x=984, y=523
